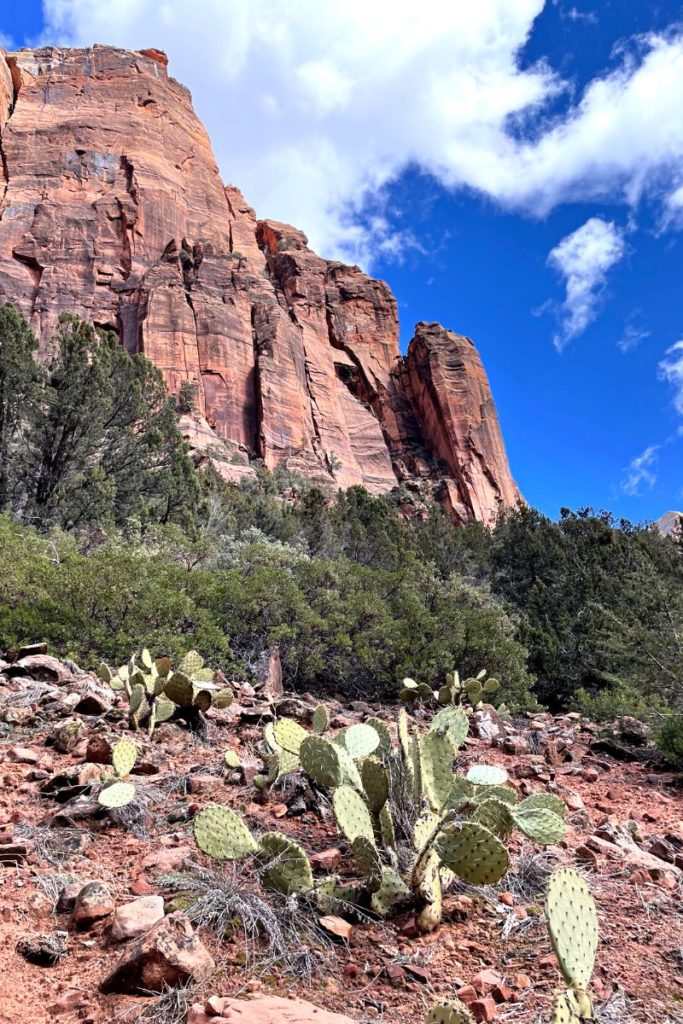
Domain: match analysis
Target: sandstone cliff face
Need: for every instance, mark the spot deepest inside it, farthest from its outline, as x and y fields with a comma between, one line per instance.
x=112, y=207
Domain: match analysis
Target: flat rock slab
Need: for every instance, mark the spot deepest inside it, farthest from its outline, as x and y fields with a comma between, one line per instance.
x=264, y=1010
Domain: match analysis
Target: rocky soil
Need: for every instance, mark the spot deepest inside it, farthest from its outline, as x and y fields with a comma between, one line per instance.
x=92, y=909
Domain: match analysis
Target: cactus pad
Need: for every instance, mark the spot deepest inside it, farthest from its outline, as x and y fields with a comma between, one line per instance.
x=449, y=1011
x=286, y=867
x=106, y=675
x=503, y=793
x=223, y=698
x=321, y=720
x=436, y=763
x=368, y=863
x=539, y=824
x=203, y=700
x=289, y=734
x=163, y=709
x=548, y=801
x=382, y=730
x=191, y=664
x=334, y=898
x=461, y=793
x=572, y=1007
x=404, y=736
x=375, y=783
x=117, y=795
x=473, y=853
x=223, y=834
x=351, y=812
x=179, y=689
x=495, y=816
x=386, y=827
x=573, y=925
x=123, y=757
x=487, y=775
x=320, y=760
x=423, y=829
x=360, y=741
x=146, y=659
x=350, y=773
x=391, y=890
x=454, y=721
x=231, y=759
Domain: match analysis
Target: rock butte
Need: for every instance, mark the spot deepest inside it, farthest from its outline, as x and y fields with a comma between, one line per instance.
x=112, y=207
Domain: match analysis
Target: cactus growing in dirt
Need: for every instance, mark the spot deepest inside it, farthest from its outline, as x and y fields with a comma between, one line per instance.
x=573, y=926
x=116, y=792
x=156, y=693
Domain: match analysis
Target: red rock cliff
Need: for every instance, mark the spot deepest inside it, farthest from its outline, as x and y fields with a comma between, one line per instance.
x=112, y=207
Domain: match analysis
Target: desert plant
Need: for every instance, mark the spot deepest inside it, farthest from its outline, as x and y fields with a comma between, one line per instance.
x=156, y=693
x=470, y=692
x=116, y=792
x=573, y=925
x=455, y=825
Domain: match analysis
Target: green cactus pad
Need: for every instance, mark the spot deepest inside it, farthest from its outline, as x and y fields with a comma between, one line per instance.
x=491, y=686
x=404, y=737
x=449, y=1011
x=361, y=740
x=454, y=722
x=487, y=775
x=179, y=689
x=350, y=773
x=430, y=916
x=286, y=867
x=548, y=801
x=416, y=762
x=223, y=698
x=191, y=663
x=375, y=783
x=572, y=1007
x=163, y=666
x=105, y=674
x=368, y=862
x=163, y=709
x=573, y=925
x=321, y=720
x=123, y=757
x=436, y=763
x=289, y=734
x=118, y=794
x=425, y=692
x=232, y=759
x=392, y=889
x=203, y=675
x=155, y=685
x=351, y=812
x=320, y=760
x=137, y=699
x=445, y=695
x=424, y=829
x=223, y=834
x=461, y=793
x=203, y=700
x=495, y=816
x=505, y=794
x=335, y=898
x=539, y=824
x=146, y=659
x=285, y=763
x=382, y=730
x=473, y=853
x=409, y=684
x=386, y=827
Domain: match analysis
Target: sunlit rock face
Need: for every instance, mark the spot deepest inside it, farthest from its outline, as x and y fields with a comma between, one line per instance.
x=112, y=207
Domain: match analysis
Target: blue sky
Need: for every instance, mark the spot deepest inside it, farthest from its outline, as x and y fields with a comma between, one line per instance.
x=514, y=169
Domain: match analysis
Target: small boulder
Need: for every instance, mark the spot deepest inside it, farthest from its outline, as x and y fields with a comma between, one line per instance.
x=137, y=917
x=488, y=725
x=24, y=755
x=93, y=903
x=168, y=955
x=278, y=1010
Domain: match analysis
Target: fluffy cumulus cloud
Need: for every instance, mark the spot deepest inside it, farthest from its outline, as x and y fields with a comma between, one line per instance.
x=313, y=108
x=671, y=370
x=583, y=259
x=641, y=473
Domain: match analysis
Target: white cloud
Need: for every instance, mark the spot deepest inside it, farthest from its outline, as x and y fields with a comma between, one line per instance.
x=632, y=337
x=314, y=107
x=583, y=258
x=641, y=472
x=671, y=370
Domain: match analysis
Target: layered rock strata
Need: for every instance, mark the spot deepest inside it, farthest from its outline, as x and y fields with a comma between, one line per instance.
x=112, y=207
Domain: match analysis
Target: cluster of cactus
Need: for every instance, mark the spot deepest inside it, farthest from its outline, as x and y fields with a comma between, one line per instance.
x=223, y=834
x=156, y=692
x=116, y=792
x=460, y=823
x=573, y=926
x=474, y=690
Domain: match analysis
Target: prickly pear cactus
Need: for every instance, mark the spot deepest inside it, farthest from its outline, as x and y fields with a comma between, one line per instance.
x=453, y=721
x=572, y=1007
x=573, y=926
x=289, y=734
x=436, y=764
x=494, y=815
x=360, y=741
x=375, y=783
x=321, y=720
x=223, y=834
x=191, y=664
x=180, y=690
x=351, y=812
x=286, y=867
x=118, y=794
x=232, y=759
x=548, y=801
x=368, y=862
x=473, y=853
x=538, y=823
x=123, y=757
x=392, y=889
x=487, y=775
x=384, y=733
x=449, y=1011
x=320, y=760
